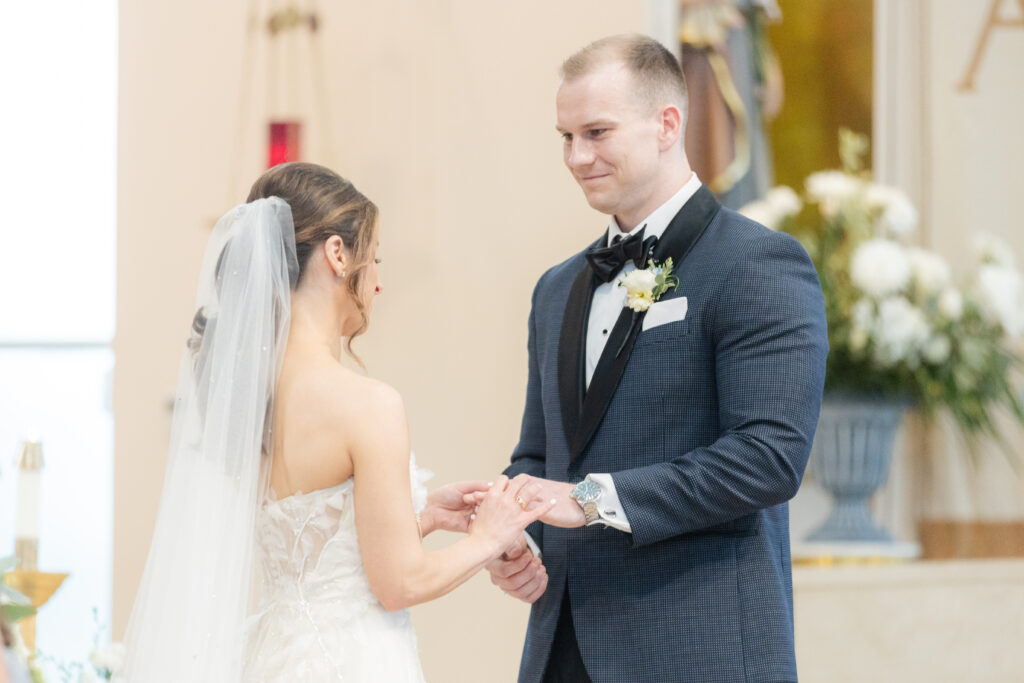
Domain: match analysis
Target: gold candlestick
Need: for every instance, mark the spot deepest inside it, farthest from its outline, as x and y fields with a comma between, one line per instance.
x=38, y=587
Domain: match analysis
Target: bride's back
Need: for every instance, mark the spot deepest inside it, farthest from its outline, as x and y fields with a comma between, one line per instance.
x=313, y=423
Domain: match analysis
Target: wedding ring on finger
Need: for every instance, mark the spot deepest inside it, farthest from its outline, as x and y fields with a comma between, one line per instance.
x=522, y=503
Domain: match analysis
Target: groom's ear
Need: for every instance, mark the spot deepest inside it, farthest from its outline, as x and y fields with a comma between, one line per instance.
x=670, y=123
x=337, y=255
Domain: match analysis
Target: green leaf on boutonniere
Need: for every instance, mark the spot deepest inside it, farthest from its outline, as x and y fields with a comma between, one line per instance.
x=664, y=280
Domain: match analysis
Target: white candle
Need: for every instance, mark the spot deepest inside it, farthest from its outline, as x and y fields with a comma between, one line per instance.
x=30, y=466
x=26, y=521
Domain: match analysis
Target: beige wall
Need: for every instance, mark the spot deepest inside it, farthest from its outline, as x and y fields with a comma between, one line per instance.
x=443, y=114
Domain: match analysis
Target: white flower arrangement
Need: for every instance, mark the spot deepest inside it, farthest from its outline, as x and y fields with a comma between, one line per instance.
x=899, y=324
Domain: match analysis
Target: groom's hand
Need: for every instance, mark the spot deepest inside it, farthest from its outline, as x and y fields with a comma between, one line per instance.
x=519, y=573
x=566, y=513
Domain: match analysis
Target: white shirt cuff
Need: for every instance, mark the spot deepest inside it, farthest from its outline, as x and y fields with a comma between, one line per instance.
x=608, y=505
x=532, y=544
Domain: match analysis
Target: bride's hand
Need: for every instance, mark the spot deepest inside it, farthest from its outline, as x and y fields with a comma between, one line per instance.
x=447, y=508
x=508, y=508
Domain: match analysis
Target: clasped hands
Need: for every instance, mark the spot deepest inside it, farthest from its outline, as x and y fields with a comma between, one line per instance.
x=517, y=571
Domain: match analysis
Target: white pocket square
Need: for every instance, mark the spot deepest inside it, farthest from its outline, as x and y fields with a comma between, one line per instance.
x=662, y=312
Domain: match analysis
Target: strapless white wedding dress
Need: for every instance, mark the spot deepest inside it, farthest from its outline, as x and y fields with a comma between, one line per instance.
x=318, y=619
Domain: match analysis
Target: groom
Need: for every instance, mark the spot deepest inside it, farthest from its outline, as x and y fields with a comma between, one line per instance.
x=692, y=420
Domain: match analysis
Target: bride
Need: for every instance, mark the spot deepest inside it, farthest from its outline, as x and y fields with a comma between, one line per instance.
x=290, y=475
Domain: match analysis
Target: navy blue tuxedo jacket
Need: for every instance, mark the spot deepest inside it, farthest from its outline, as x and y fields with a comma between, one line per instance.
x=705, y=425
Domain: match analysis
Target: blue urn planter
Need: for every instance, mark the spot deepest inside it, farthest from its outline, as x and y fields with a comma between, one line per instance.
x=850, y=458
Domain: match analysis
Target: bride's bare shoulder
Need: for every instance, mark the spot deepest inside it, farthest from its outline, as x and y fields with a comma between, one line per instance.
x=371, y=399
x=341, y=395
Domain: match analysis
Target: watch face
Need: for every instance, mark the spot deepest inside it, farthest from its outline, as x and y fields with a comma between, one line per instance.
x=586, y=492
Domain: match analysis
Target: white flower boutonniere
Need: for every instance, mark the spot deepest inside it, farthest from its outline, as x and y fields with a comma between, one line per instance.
x=644, y=287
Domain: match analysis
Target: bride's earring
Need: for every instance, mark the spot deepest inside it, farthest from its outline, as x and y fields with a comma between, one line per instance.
x=343, y=273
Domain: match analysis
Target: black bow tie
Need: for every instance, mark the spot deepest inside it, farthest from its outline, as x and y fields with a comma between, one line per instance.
x=607, y=261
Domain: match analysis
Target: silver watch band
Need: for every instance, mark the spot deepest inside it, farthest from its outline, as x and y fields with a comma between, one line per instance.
x=591, y=513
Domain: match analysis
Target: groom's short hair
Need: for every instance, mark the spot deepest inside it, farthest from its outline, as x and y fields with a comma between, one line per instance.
x=658, y=74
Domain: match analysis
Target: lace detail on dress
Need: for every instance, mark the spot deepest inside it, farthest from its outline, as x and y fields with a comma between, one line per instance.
x=318, y=618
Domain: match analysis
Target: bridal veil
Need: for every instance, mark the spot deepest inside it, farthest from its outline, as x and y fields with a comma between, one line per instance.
x=188, y=622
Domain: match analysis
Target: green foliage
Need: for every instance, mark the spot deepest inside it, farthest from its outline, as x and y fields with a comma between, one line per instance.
x=14, y=613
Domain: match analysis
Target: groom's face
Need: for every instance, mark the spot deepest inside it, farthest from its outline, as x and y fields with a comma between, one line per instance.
x=610, y=138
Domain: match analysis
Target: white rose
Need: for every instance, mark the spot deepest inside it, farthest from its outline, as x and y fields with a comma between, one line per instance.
x=879, y=268
x=951, y=303
x=831, y=189
x=900, y=333
x=784, y=200
x=760, y=211
x=930, y=272
x=991, y=249
x=937, y=349
x=111, y=659
x=638, y=281
x=1001, y=291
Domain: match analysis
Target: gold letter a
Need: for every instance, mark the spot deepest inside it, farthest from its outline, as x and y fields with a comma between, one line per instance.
x=967, y=84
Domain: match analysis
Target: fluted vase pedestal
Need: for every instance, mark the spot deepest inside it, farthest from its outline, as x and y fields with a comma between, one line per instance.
x=850, y=459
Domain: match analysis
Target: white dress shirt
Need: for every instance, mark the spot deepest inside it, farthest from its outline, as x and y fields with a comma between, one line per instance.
x=608, y=301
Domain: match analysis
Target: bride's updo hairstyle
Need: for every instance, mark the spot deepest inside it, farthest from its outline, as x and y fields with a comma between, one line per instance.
x=325, y=204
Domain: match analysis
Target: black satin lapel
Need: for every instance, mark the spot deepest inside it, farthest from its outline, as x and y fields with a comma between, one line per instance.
x=687, y=227
x=571, y=351
x=606, y=379
x=682, y=233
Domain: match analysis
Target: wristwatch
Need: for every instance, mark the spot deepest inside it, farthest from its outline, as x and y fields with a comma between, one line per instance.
x=587, y=493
